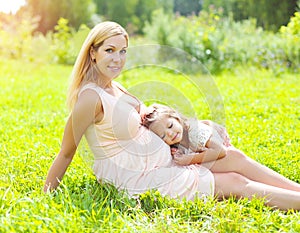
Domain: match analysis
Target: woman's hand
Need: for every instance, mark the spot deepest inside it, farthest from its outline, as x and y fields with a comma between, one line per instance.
x=221, y=131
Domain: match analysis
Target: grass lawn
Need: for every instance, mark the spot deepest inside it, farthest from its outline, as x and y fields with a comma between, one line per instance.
x=261, y=113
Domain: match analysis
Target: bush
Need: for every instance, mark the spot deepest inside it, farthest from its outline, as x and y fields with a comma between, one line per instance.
x=16, y=37
x=67, y=42
x=62, y=42
x=221, y=43
x=18, y=41
x=291, y=34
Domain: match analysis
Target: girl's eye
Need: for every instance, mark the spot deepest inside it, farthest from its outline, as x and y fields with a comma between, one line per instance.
x=170, y=126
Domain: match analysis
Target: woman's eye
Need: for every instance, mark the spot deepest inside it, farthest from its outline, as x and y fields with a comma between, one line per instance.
x=123, y=51
x=171, y=125
x=109, y=50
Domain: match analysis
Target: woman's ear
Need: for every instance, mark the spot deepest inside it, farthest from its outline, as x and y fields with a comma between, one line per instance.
x=92, y=53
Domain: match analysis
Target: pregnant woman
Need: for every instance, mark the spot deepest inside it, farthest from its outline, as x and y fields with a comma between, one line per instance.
x=132, y=157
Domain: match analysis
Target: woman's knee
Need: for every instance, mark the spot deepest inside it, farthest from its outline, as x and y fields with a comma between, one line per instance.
x=231, y=179
x=230, y=183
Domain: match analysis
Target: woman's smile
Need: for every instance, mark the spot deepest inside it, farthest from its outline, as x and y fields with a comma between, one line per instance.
x=115, y=68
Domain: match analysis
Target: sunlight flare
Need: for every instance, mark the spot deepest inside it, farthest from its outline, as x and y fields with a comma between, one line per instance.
x=11, y=6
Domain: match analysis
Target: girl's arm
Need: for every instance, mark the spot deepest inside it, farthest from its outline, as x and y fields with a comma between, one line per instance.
x=87, y=109
x=213, y=151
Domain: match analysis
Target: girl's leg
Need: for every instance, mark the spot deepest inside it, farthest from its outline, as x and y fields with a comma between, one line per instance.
x=227, y=184
x=237, y=161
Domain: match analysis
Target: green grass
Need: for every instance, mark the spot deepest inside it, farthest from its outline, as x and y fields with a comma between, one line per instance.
x=262, y=115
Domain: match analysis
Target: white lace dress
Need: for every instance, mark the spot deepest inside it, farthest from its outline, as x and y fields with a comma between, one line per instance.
x=198, y=135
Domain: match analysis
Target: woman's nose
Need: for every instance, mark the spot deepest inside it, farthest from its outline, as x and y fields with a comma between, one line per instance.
x=116, y=57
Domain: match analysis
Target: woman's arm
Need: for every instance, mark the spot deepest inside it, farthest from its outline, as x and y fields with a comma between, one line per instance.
x=63, y=159
x=87, y=109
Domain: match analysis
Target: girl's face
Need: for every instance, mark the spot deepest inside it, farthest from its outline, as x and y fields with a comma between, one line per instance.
x=168, y=129
x=111, y=56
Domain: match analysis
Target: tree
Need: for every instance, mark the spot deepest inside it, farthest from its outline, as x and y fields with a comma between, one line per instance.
x=76, y=11
x=270, y=14
x=118, y=10
x=143, y=12
x=131, y=14
x=187, y=7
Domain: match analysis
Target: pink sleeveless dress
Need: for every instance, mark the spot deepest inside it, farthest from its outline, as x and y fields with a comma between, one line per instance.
x=134, y=159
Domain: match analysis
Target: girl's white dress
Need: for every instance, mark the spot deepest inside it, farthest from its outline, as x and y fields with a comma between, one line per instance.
x=133, y=158
x=198, y=135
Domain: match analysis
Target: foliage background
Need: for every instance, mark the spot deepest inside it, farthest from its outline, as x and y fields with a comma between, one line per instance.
x=252, y=48
x=221, y=34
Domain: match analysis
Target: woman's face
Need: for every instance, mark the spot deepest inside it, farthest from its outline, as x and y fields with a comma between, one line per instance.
x=168, y=129
x=111, y=56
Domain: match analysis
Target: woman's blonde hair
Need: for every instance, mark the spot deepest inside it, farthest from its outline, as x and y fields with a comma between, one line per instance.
x=85, y=70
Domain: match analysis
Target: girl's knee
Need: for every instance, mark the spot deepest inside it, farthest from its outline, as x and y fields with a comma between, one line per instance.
x=236, y=154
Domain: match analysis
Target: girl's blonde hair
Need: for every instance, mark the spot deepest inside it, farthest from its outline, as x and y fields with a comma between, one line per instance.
x=85, y=70
x=159, y=111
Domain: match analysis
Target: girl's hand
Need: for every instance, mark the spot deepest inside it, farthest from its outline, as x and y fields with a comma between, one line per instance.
x=173, y=150
x=182, y=159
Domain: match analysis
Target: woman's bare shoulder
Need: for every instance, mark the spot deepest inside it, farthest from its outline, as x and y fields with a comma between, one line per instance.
x=88, y=103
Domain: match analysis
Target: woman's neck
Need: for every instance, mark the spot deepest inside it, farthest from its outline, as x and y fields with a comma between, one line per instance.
x=105, y=84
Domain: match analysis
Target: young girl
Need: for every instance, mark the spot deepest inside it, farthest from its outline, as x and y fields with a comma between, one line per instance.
x=192, y=141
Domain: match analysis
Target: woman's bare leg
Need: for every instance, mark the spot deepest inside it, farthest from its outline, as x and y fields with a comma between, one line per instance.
x=237, y=161
x=233, y=184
